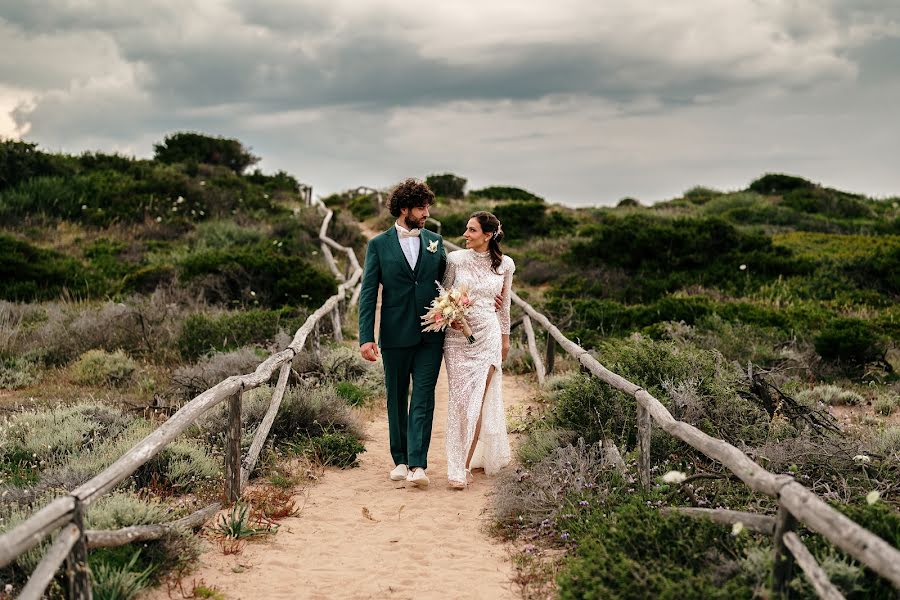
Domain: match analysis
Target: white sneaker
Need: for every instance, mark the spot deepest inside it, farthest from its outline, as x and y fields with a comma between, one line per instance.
x=418, y=477
x=399, y=473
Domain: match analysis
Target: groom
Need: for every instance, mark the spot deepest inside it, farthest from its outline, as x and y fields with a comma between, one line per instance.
x=407, y=260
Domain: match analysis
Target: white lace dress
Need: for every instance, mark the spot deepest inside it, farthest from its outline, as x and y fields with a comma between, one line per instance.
x=468, y=365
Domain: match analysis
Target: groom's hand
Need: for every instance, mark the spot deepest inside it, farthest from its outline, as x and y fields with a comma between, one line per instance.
x=369, y=351
x=498, y=302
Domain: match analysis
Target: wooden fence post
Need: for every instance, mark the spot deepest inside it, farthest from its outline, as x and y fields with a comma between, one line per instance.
x=336, y=325
x=551, y=353
x=532, y=349
x=644, y=425
x=233, y=449
x=783, y=567
x=78, y=584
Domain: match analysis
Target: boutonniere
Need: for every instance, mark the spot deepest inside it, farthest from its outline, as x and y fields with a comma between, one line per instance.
x=432, y=246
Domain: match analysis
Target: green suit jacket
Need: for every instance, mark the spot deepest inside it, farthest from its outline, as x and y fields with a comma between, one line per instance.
x=407, y=293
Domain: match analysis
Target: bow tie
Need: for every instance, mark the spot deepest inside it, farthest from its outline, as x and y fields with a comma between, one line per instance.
x=408, y=234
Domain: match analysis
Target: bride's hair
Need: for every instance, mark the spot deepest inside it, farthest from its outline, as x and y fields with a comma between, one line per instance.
x=491, y=224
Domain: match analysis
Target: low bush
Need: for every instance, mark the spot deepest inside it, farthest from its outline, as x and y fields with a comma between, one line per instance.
x=829, y=395
x=352, y=393
x=497, y=192
x=202, y=333
x=334, y=449
x=18, y=372
x=533, y=496
x=29, y=273
x=258, y=275
x=779, y=183
x=853, y=342
x=631, y=550
x=99, y=367
x=306, y=412
x=190, y=380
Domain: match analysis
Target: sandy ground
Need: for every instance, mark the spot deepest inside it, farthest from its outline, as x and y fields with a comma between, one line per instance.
x=361, y=535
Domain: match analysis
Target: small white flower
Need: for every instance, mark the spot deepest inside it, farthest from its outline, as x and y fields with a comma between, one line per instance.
x=84, y=207
x=252, y=293
x=8, y=588
x=180, y=199
x=743, y=267
x=432, y=246
x=159, y=219
x=862, y=458
x=737, y=528
x=873, y=496
x=674, y=477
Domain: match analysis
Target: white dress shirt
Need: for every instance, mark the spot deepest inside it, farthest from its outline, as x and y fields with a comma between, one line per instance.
x=409, y=245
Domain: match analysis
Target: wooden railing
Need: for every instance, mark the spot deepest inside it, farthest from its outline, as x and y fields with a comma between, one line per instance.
x=72, y=543
x=796, y=503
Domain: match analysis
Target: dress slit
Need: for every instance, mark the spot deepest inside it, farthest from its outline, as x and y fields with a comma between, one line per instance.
x=471, y=442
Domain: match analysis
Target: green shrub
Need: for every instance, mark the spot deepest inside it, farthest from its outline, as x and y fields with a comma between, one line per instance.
x=497, y=192
x=779, y=183
x=17, y=372
x=829, y=395
x=185, y=147
x=827, y=202
x=202, y=333
x=526, y=219
x=354, y=394
x=447, y=185
x=182, y=466
x=336, y=449
x=885, y=404
x=631, y=550
x=99, y=367
x=119, y=582
x=701, y=195
x=21, y=161
x=662, y=255
x=29, y=273
x=259, y=275
x=628, y=202
x=364, y=206
x=851, y=341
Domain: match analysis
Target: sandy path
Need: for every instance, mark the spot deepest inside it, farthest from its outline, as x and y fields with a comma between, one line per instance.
x=361, y=535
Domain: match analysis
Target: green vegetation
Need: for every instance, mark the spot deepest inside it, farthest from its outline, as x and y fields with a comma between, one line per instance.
x=145, y=282
x=765, y=317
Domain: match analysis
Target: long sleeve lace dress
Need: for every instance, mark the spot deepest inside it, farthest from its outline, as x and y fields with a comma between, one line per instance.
x=468, y=366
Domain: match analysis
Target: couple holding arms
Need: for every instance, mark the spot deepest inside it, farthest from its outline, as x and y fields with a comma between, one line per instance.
x=409, y=261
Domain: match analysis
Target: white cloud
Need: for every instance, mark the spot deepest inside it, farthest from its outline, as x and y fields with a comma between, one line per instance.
x=577, y=100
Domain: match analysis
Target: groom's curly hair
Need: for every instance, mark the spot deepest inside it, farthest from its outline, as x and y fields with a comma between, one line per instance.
x=412, y=193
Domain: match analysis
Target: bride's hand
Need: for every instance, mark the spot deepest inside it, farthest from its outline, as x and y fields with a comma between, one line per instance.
x=456, y=325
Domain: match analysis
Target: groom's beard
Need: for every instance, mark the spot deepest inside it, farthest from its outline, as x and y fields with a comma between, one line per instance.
x=410, y=224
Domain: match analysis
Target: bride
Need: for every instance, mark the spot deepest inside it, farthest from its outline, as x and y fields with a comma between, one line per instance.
x=476, y=421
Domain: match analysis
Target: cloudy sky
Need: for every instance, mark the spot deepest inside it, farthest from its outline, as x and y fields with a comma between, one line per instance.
x=581, y=101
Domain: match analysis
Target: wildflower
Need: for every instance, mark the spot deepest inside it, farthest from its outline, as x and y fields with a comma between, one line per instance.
x=159, y=219
x=583, y=503
x=8, y=588
x=674, y=477
x=84, y=207
x=873, y=496
x=180, y=199
x=252, y=293
x=737, y=528
x=862, y=458
x=564, y=536
x=743, y=267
